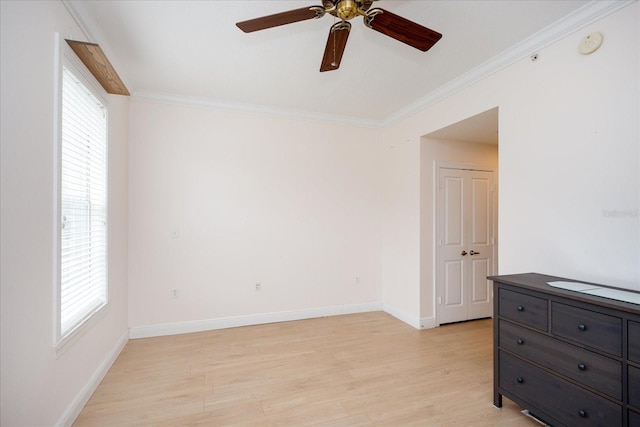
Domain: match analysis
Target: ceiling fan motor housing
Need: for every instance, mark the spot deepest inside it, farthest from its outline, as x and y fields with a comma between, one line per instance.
x=347, y=9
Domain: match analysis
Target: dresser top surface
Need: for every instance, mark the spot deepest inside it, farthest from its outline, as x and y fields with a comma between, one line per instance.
x=539, y=282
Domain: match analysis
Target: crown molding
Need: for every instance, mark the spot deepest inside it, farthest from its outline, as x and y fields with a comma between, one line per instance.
x=79, y=13
x=580, y=18
x=206, y=102
x=589, y=13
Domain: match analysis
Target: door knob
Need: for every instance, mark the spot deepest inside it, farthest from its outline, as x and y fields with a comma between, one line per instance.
x=463, y=253
x=473, y=252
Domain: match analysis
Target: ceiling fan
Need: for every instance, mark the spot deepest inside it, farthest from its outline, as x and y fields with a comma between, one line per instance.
x=383, y=21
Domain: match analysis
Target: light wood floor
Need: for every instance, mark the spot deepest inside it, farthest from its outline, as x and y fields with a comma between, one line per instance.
x=357, y=370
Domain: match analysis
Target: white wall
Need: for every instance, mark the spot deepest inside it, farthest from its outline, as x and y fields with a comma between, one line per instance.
x=569, y=151
x=401, y=211
x=39, y=388
x=564, y=164
x=292, y=204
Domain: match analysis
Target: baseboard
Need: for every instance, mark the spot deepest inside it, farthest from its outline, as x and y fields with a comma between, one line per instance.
x=428, y=323
x=254, y=319
x=81, y=399
x=400, y=315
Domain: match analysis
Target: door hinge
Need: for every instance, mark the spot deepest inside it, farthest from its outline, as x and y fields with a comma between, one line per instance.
x=439, y=300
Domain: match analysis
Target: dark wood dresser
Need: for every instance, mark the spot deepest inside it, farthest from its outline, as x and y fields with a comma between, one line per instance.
x=570, y=358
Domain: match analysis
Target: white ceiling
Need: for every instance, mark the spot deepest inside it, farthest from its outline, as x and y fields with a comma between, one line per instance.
x=193, y=50
x=481, y=128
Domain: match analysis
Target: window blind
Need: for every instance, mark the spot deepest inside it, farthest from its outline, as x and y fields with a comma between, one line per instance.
x=83, y=204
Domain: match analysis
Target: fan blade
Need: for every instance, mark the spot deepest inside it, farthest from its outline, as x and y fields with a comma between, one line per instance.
x=336, y=43
x=282, y=18
x=401, y=29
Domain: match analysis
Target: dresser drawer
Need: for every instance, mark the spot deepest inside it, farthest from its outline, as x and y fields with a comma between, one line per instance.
x=598, y=372
x=634, y=341
x=634, y=419
x=586, y=327
x=528, y=310
x=561, y=399
x=634, y=386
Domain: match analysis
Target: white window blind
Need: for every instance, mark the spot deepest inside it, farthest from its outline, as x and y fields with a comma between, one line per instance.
x=83, y=204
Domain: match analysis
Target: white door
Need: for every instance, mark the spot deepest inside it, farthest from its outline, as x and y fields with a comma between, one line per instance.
x=465, y=240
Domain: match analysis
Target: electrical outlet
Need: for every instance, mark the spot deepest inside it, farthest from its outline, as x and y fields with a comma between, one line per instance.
x=258, y=286
x=174, y=293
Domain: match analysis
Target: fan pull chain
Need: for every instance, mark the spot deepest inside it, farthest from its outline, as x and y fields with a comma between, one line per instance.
x=333, y=34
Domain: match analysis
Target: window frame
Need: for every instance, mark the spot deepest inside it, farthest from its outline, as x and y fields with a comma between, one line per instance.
x=66, y=58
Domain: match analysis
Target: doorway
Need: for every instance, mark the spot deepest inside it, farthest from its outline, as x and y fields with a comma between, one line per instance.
x=470, y=145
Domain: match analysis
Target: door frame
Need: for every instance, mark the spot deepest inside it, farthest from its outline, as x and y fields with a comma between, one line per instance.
x=437, y=166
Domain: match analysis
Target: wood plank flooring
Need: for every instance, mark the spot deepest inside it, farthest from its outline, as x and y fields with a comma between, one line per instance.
x=356, y=370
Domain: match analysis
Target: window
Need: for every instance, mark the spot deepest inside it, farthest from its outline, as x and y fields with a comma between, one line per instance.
x=82, y=198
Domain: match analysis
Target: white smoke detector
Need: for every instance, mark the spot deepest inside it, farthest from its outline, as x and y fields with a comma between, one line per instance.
x=590, y=43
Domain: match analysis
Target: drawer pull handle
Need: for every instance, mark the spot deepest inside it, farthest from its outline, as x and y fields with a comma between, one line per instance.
x=582, y=413
x=520, y=341
x=582, y=367
x=520, y=308
x=520, y=380
x=582, y=327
